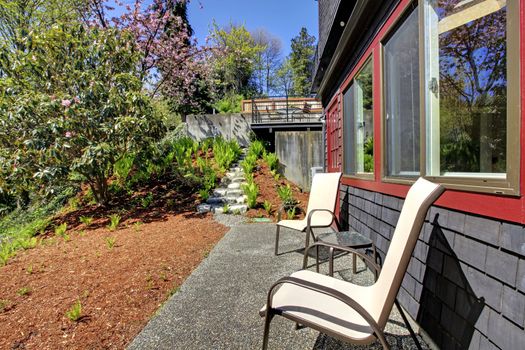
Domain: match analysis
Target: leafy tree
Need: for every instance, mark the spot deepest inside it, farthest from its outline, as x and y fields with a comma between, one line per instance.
x=284, y=78
x=234, y=58
x=267, y=61
x=302, y=61
x=72, y=106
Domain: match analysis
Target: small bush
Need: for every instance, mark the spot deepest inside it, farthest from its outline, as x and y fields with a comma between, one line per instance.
x=290, y=213
x=146, y=201
x=251, y=190
x=267, y=205
x=60, y=231
x=226, y=208
x=256, y=148
x=114, y=221
x=204, y=194
x=86, y=220
x=75, y=312
x=4, y=305
x=110, y=242
x=286, y=195
x=272, y=161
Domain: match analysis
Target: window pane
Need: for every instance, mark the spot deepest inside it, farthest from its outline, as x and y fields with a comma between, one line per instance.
x=401, y=60
x=467, y=78
x=359, y=124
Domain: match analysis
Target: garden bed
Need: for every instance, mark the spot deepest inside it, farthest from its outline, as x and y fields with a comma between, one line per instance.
x=120, y=278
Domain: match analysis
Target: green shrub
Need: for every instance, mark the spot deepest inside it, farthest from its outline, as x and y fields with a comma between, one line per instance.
x=251, y=190
x=86, y=220
x=290, y=213
x=267, y=205
x=272, y=161
x=61, y=229
x=75, y=312
x=256, y=148
x=286, y=195
x=230, y=103
x=110, y=242
x=114, y=221
x=147, y=200
x=204, y=194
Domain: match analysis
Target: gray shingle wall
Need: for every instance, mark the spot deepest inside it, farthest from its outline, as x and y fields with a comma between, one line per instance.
x=465, y=284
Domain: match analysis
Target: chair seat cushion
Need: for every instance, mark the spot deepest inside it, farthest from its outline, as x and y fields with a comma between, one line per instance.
x=321, y=310
x=299, y=225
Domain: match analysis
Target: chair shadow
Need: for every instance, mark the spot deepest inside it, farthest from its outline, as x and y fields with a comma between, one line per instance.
x=448, y=295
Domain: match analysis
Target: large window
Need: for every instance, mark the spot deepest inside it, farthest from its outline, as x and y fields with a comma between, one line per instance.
x=451, y=102
x=466, y=80
x=401, y=72
x=358, y=124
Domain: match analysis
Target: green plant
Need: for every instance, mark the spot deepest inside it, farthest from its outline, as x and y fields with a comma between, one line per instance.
x=4, y=305
x=290, y=213
x=29, y=269
x=272, y=161
x=251, y=190
x=7, y=251
x=27, y=242
x=267, y=205
x=137, y=225
x=122, y=168
x=114, y=221
x=75, y=312
x=226, y=208
x=286, y=195
x=86, y=220
x=256, y=149
x=147, y=200
x=204, y=194
x=23, y=291
x=101, y=86
x=110, y=242
x=60, y=231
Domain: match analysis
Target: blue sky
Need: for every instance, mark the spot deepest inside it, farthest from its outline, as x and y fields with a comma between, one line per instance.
x=282, y=18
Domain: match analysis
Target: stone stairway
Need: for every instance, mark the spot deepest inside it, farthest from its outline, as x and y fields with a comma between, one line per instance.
x=229, y=195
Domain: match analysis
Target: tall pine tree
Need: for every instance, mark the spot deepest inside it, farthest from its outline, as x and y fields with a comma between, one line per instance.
x=302, y=61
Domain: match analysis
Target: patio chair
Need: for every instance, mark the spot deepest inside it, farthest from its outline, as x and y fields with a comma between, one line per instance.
x=343, y=310
x=323, y=197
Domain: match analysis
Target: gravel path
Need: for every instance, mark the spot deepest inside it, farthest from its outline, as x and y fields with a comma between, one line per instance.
x=217, y=307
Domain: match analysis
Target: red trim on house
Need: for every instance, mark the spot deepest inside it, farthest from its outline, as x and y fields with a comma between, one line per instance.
x=499, y=207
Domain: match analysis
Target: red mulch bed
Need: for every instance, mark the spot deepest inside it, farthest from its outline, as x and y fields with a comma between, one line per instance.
x=120, y=288
x=268, y=191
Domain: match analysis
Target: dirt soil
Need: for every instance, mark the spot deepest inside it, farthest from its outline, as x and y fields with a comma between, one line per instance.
x=119, y=287
x=268, y=191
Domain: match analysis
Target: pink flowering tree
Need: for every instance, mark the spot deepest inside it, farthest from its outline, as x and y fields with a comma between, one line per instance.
x=171, y=63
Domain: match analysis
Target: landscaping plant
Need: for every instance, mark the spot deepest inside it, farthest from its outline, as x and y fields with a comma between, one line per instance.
x=251, y=190
x=75, y=312
x=114, y=221
x=267, y=205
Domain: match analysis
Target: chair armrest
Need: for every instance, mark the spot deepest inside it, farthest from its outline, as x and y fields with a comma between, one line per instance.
x=332, y=293
x=309, y=219
x=374, y=264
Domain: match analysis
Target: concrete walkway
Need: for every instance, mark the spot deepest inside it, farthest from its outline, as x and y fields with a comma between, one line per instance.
x=217, y=306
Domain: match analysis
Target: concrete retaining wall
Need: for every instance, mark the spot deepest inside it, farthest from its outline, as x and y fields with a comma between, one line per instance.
x=230, y=126
x=298, y=152
x=465, y=284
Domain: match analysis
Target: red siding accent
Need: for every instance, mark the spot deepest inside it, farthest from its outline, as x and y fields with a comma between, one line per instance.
x=499, y=207
x=334, y=131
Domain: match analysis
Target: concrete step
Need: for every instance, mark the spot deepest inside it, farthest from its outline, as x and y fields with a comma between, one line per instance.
x=220, y=192
x=243, y=208
x=237, y=193
x=234, y=186
x=215, y=200
x=238, y=179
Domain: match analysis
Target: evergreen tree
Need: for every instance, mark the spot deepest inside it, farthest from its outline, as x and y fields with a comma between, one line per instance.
x=302, y=61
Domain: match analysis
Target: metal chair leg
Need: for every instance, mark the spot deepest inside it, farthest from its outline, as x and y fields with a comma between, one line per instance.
x=267, y=320
x=405, y=319
x=277, y=239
